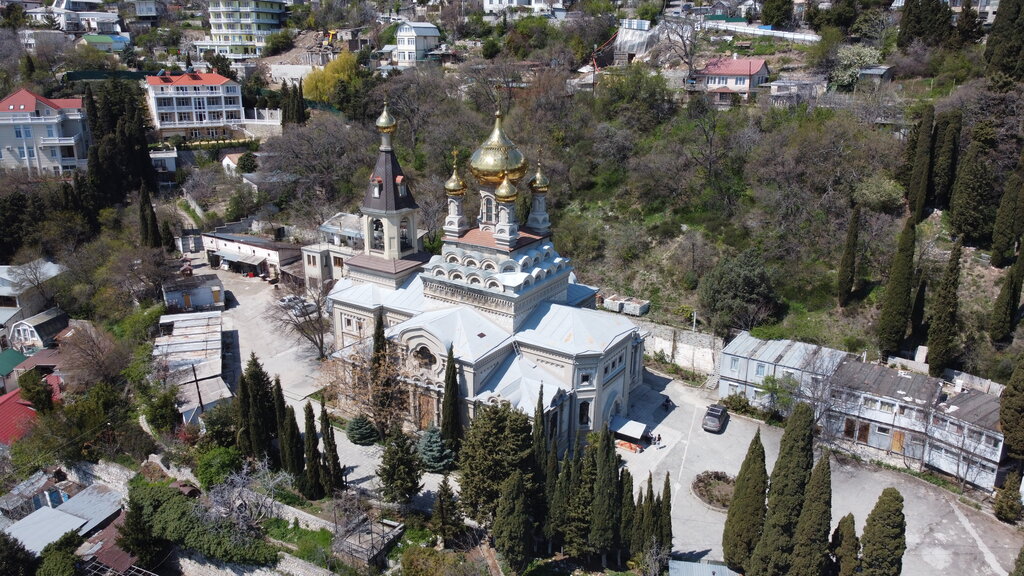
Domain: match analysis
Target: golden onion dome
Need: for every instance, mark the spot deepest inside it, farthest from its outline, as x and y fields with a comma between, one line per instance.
x=455, y=186
x=386, y=122
x=497, y=158
x=506, y=192
x=539, y=184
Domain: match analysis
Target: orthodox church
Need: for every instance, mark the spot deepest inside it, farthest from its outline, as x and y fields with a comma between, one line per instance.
x=499, y=295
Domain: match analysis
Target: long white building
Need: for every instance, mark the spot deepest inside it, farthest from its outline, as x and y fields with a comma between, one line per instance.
x=239, y=28
x=195, y=105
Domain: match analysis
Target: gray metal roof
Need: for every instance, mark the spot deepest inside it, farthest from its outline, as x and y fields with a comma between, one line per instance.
x=191, y=282
x=96, y=504
x=786, y=353
x=974, y=407
x=573, y=331
x=677, y=568
x=43, y=527
x=886, y=382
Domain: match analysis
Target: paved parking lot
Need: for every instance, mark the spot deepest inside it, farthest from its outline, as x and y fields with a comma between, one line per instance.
x=942, y=533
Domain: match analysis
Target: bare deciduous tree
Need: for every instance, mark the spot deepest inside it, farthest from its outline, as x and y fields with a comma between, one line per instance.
x=91, y=354
x=679, y=39
x=308, y=319
x=493, y=83
x=248, y=496
x=357, y=388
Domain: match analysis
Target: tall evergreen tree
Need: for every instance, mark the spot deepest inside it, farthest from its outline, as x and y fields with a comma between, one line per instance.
x=293, y=449
x=188, y=59
x=603, y=504
x=974, y=201
x=145, y=205
x=1011, y=413
x=388, y=399
x=884, y=540
x=451, y=429
x=446, y=519
x=550, y=493
x=771, y=556
x=89, y=101
x=300, y=104
x=944, y=327
x=497, y=444
x=1004, y=49
x=167, y=236
x=968, y=25
x=918, y=325
x=279, y=407
x=261, y=411
x=666, y=513
x=242, y=416
x=1018, y=565
x=540, y=449
x=333, y=473
x=844, y=549
x=1008, y=504
x=1004, y=309
x=1004, y=230
x=896, y=304
x=400, y=470
x=627, y=515
x=287, y=110
x=577, y=518
x=745, y=518
x=918, y=191
x=944, y=165
x=777, y=13
x=312, y=485
x=153, y=239
x=848, y=264
x=810, y=543
x=637, y=544
x=558, y=506
x=512, y=526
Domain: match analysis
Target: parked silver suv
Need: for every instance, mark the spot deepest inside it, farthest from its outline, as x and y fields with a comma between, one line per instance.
x=715, y=418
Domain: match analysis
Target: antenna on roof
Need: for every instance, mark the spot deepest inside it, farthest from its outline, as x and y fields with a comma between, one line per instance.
x=161, y=72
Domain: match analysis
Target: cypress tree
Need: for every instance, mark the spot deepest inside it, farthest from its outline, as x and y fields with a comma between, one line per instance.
x=844, y=548
x=652, y=518
x=261, y=409
x=1004, y=309
x=944, y=165
x=152, y=228
x=892, y=324
x=918, y=328
x=497, y=444
x=627, y=516
x=1008, y=505
x=550, y=492
x=771, y=556
x=810, y=543
x=848, y=264
x=539, y=450
x=295, y=464
x=603, y=503
x=1004, y=49
x=446, y=519
x=968, y=26
x=884, y=540
x=558, y=506
x=279, y=407
x=242, y=418
x=1011, y=413
x=300, y=104
x=400, y=470
x=745, y=519
x=312, y=485
x=637, y=544
x=944, y=328
x=167, y=236
x=973, y=205
x=910, y=24
x=1005, y=231
x=451, y=429
x=90, y=110
x=512, y=522
x=666, y=513
x=917, y=193
x=577, y=526
x=145, y=205
x=333, y=473
x=286, y=105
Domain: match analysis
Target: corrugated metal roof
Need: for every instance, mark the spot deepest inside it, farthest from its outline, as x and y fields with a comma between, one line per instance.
x=9, y=359
x=96, y=504
x=974, y=407
x=677, y=568
x=886, y=382
x=43, y=527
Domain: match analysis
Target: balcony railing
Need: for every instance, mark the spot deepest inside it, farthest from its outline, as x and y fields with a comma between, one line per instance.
x=24, y=118
x=199, y=124
x=60, y=140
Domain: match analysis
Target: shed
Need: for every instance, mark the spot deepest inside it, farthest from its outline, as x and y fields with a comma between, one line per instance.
x=44, y=526
x=8, y=360
x=96, y=505
x=203, y=292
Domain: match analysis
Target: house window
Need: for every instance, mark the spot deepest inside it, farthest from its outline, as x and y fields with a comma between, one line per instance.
x=760, y=370
x=22, y=131
x=741, y=81
x=883, y=431
x=337, y=262
x=49, y=131
x=992, y=441
x=585, y=379
x=734, y=364
x=348, y=322
x=584, y=413
x=887, y=407
x=53, y=153
x=870, y=403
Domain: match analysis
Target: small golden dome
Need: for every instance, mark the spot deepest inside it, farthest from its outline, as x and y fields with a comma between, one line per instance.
x=539, y=184
x=497, y=158
x=506, y=192
x=386, y=122
x=455, y=186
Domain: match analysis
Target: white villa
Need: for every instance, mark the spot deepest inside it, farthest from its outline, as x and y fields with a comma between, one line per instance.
x=499, y=295
x=415, y=40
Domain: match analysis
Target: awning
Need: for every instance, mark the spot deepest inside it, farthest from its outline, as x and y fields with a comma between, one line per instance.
x=627, y=428
x=250, y=259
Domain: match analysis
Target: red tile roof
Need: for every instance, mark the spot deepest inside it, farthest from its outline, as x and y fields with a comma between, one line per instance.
x=477, y=237
x=26, y=101
x=732, y=67
x=190, y=79
x=16, y=416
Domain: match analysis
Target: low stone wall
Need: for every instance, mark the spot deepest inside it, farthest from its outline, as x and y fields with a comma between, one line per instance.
x=193, y=564
x=173, y=471
x=694, y=351
x=109, y=473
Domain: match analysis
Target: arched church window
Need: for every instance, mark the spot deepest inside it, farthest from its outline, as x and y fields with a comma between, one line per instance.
x=584, y=413
x=403, y=231
x=474, y=280
x=452, y=259
x=424, y=357
x=488, y=265
x=553, y=425
x=488, y=210
x=377, y=227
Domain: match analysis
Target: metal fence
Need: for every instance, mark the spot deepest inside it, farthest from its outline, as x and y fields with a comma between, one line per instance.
x=753, y=31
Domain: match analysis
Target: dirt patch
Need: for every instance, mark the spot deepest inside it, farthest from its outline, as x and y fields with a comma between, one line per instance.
x=714, y=488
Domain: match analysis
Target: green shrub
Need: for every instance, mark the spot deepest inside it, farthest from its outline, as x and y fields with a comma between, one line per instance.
x=216, y=464
x=361, y=431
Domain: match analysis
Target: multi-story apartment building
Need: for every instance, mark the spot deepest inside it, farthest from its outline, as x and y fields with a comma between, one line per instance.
x=239, y=28
x=195, y=105
x=415, y=41
x=40, y=136
x=79, y=16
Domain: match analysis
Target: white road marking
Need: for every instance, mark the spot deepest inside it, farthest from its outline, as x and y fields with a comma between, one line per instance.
x=990, y=558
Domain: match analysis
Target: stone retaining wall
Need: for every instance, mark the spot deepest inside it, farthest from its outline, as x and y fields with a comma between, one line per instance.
x=691, y=350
